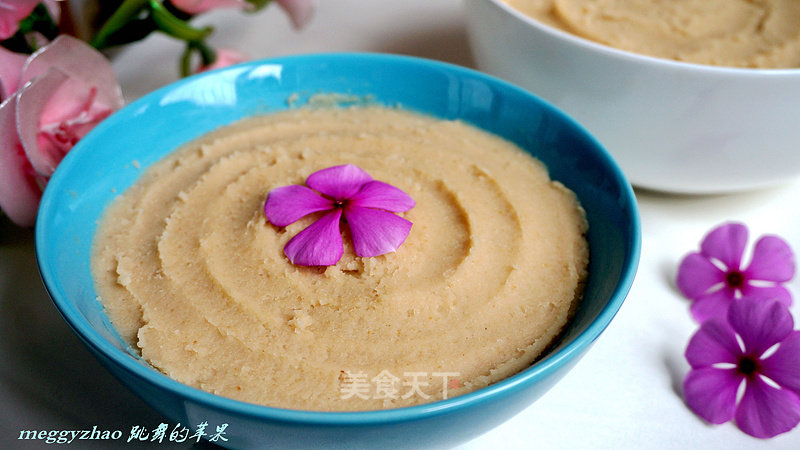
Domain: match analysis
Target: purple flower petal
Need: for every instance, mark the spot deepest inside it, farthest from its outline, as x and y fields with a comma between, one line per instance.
x=715, y=342
x=318, y=245
x=761, y=324
x=375, y=232
x=726, y=243
x=348, y=190
x=713, y=304
x=696, y=275
x=711, y=393
x=339, y=182
x=773, y=260
x=765, y=411
x=380, y=195
x=288, y=204
x=768, y=293
x=783, y=366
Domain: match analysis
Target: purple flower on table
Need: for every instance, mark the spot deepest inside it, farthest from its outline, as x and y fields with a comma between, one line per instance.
x=342, y=192
x=714, y=277
x=755, y=346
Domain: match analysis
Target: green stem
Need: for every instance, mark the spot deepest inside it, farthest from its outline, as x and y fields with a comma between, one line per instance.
x=207, y=56
x=186, y=61
x=175, y=27
x=126, y=11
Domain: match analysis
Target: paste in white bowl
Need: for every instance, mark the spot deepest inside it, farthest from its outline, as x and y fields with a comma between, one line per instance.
x=731, y=33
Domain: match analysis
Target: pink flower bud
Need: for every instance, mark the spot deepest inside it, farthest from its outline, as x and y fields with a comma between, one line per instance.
x=300, y=11
x=225, y=58
x=201, y=6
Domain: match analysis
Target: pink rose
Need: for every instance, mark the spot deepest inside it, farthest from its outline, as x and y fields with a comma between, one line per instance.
x=60, y=93
x=12, y=12
x=201, y=6
x=10, y=70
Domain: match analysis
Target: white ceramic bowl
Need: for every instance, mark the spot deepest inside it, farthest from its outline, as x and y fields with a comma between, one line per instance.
x=672, y=126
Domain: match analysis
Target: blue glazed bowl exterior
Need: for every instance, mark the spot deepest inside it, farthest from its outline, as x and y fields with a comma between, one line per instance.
x=113, y=155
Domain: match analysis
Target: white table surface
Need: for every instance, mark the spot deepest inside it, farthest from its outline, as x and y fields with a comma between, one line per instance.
x=625, y=393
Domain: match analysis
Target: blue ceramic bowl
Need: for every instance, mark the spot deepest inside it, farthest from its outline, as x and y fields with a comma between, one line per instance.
x=112, y=156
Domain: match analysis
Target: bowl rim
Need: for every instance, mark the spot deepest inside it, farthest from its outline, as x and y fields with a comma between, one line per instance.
x=642, y=59
x=508, y=386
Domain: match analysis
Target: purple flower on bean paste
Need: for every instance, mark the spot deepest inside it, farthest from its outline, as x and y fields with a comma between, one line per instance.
x=746, y=366
x=345, y=193
x=714, y=277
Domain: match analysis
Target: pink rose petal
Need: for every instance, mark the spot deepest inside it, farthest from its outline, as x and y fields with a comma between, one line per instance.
x=765, y=411
x=53, y=113
x=696, y=275
x=300, y=11
x=761, y=324
x=11, y=64
x=201, y=6
x=773, y=260
x=78, y=61
x=713, y=343
x=711, y=393
x=339, y=182
x=726, y=243
x=375, y=232
x=11, y=13
x=318, y=245
x=19, y=191
x=380, y=195
x=32, y=102
x=288, y=204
